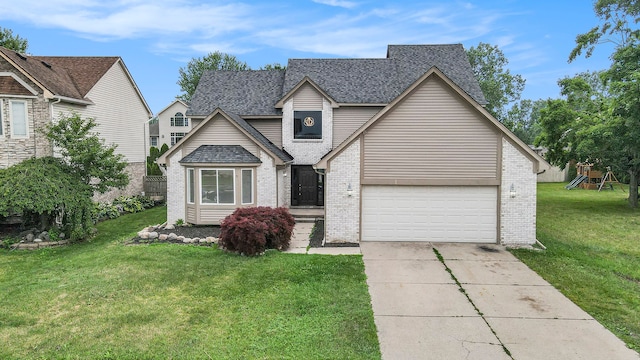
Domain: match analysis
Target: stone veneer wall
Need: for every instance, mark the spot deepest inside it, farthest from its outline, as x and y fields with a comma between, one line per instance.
x=517, y=214
x=342, y=212
x=136, y=172
x=175, y=189
x=267, y=182
x=13, y=151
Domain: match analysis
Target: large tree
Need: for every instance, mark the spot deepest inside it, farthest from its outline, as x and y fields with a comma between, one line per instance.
x=11, y=41
x=500, y=87
x=621, y=129
x=89, y=159
x=191, y=74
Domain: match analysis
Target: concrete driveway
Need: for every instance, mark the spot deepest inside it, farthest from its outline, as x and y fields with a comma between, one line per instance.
x=490, y=306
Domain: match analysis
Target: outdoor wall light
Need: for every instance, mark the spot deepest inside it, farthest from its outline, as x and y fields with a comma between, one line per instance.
x=512, y=191
x=349, y=190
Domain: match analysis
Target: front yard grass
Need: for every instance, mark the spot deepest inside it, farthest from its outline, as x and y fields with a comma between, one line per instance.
x=593, y=254
x=104, y=300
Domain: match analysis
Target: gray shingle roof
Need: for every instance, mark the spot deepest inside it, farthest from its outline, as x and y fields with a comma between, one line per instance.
x=379, y=81
x=357, y=81
x=244, y=92
x=222, y=154
x=257, y=135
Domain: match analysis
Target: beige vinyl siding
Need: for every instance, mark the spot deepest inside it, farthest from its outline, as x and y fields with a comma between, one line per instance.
x=271, y=128
x=431, y=135
x=191, y=214
x=346, y=120
x=120, y=113
x=219, y=131
x=307, y=98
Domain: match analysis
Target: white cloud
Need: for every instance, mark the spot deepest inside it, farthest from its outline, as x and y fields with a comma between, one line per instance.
x=337, y=3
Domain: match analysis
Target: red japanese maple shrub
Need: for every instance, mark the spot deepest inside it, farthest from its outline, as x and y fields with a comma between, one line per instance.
x=251, y=231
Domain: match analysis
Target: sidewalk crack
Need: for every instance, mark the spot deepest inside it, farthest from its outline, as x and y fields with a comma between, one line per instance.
x=463, y=291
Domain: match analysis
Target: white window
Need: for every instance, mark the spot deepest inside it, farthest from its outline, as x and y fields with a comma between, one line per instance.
x=175, y=137
x=179, y=120
x=154, y=141
x=217, y=186
x=247, y=186
x=191, y=186
x=19, y=125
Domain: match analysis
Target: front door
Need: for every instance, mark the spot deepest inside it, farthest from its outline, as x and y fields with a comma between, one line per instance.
x=307, y=186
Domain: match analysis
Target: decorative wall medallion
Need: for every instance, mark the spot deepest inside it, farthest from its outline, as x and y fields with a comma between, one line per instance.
x=309, y=121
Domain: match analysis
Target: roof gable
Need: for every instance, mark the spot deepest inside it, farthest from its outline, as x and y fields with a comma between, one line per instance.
x=322, y=164
x=261, y=141
x=305, y=81
x=10, y=84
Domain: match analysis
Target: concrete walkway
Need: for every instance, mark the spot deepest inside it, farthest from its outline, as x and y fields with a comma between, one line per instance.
x=495, y=308
x=300, y=242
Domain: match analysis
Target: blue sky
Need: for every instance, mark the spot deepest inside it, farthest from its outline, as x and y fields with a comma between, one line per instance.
x=157, y=37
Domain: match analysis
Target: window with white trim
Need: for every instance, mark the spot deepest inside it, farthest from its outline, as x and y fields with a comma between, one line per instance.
x=153, y=140
x=175, y=137
x=191, y=186
x=19, y=124
x=218, y=186
x=179, y=120
x=247, y=186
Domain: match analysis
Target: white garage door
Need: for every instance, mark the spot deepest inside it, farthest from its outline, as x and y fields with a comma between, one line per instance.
x=429, y=213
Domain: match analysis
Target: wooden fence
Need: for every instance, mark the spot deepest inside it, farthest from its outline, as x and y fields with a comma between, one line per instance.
x=155, y=186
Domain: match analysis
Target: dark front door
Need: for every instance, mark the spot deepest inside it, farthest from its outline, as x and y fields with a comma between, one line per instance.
x=307, y=186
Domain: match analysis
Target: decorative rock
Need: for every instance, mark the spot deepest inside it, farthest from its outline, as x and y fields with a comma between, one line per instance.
x=209, y=239
x=169, y=227
x=163, y=237
x=180, y=238
x=202, y=241
x=196, y=240
x=153, y=235
x=37, y=240
x=29, y=237
x=61, y=236
x=173, y=236
x=44, y=236
x=144, y=235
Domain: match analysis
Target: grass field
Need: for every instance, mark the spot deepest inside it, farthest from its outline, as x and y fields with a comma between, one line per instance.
x=104, y=300
x=593, y=254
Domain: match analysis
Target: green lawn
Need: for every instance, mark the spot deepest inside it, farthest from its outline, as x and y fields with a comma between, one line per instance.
x=593, y=254
x=104, y=300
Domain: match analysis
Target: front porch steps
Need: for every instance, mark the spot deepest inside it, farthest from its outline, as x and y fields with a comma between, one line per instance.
x=307, y=214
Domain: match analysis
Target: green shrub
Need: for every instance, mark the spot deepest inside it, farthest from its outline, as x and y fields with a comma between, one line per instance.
x=129, y=204
x=105, y=211
x=251, y=231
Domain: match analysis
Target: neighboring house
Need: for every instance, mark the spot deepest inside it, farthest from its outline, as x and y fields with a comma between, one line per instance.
x=173, y=124
x=36, y=90
x=393, y=149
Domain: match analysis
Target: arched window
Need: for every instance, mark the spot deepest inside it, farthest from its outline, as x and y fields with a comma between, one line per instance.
x=179, y=120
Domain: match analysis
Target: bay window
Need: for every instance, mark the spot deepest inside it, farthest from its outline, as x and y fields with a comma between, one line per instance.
x=217, y=186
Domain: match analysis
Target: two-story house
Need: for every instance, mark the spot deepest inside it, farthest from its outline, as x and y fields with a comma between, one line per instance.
x=36, y=90
x=170, y=125
x=396, y=148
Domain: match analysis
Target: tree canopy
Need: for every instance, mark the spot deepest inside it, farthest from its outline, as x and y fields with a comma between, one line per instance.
x=599, y=118
x=12, y=42
x=500, y=87
x=191, y=74
x=88, y=157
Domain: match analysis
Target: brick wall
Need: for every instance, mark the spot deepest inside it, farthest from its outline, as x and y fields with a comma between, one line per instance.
x=267, y=182
x=175, y=189
x=136, y=172
x=518, y=213
x=307, y=152
x=342, y=212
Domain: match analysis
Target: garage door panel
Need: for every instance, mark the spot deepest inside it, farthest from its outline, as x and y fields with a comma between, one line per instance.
x=429, y=213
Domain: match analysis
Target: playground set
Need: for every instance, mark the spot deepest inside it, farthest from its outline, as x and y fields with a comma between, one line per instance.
x=590, y=179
